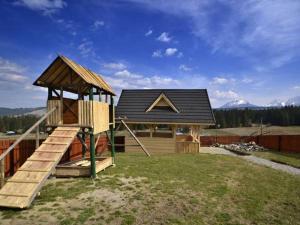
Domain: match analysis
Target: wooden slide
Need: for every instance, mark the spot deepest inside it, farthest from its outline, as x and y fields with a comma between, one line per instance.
x=24, y=185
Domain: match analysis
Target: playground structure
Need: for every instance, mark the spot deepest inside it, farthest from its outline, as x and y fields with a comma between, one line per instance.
x=66, y=119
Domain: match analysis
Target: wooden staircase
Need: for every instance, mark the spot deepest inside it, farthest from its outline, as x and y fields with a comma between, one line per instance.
x=23, y=186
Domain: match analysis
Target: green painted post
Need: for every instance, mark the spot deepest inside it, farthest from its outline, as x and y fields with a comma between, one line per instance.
x=92, y=143
x=112, y=131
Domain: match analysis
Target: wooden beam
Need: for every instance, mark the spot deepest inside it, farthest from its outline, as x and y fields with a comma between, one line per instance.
x=136, y=139
x=37, y=137
x=2, y=173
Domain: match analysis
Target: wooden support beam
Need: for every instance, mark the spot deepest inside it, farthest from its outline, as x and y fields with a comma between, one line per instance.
x=37, y=137
x=2, y=173
x=136, y=139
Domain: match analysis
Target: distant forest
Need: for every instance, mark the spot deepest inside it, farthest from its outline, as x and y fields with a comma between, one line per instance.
x=18, y=124
x=286, y=116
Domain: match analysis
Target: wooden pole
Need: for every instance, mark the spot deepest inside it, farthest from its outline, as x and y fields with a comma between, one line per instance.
x=136, y=139
x=2, y=173
x=37, y=137
x=92, y=142
x=111, y=126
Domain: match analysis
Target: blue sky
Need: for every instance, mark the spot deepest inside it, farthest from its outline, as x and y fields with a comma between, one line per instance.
x=236, y=49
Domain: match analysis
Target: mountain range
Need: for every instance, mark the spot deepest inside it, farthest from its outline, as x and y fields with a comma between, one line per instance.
x=241, y=104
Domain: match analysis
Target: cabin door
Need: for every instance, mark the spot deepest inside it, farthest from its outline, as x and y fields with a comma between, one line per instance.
x=70, y=111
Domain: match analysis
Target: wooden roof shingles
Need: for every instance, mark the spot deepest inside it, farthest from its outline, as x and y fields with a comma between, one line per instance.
x=65, y=73
x=193, y=106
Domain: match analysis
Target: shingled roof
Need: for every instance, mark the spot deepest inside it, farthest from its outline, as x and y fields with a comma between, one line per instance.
x=193, y=106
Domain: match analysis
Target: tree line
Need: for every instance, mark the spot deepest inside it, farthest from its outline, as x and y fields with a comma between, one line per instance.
x=18, y=124
x=285, y=116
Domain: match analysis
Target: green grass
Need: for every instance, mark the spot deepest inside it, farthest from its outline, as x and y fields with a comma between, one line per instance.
x=292, y=159
x=170, y=189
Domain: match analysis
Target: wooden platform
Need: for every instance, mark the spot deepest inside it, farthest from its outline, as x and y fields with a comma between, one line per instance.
x=82, y=168
x=21, y=189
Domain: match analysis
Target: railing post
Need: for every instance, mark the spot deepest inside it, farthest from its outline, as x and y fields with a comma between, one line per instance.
x=2, y=173
x=92, y=143
x=11, y=163
x=37, y=137
x=111, y=126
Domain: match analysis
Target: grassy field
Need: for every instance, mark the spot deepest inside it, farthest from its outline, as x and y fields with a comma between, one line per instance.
x=292, y=159
x=169, y=189
x=245, y=131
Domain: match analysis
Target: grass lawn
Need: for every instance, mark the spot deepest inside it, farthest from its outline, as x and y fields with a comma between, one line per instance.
x=169, y=189
x=292, y=159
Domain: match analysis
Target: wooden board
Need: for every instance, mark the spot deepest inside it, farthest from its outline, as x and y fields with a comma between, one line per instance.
x=94, y=114
x=82, y=168
x=153, y=145
x=56, y=117
x=21, y=189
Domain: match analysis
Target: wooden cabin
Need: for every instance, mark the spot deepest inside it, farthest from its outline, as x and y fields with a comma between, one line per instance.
x=165, y=120
x=64, y=75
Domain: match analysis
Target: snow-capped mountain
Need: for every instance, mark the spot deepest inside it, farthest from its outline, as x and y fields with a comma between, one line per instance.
x=293, y=101
x=276, y=103
x=238, y=103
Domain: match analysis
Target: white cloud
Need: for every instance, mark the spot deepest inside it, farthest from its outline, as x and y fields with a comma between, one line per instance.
x=170, y=51
x=11, y=72
x=220, y=80
x=157, y=54
x=225, y=94
x=127, y=74
x=265, y=32
x=185, y=68
x=97, y=24
x=46, y=6
x=297, y=87
x=164, y=37
x=126, y=79
x=114, y=66
x=247, y=80
x=149, y=32
x=86, y=48
x=179, y=55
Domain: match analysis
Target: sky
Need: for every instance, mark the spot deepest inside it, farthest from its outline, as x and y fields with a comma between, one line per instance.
x=235, y=49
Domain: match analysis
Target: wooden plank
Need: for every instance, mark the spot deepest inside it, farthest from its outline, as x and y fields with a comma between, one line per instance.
x=137, y=140
x=2, y=173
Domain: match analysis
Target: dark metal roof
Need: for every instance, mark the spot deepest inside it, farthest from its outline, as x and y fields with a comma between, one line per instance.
x=193, y=105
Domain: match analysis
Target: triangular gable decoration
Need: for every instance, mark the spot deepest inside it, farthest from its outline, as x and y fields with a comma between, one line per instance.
x=162, y=101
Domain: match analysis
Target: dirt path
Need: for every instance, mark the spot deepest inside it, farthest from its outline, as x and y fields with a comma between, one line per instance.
x=253, y=159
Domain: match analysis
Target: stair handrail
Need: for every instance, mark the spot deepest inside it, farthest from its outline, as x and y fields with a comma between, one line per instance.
x=5, y=153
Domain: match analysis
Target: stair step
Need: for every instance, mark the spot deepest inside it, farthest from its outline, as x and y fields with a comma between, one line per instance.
x=54, y=143
x=48, y=151
x=22, y=181
x=14, y=195
x=42, y=160
x=61, y=136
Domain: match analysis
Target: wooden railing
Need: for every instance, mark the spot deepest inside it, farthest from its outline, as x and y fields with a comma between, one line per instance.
x=11, y=148
x=187, y=147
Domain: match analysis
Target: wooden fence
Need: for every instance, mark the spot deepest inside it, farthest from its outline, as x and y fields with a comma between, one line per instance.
x=285, y=143
x=26, y=147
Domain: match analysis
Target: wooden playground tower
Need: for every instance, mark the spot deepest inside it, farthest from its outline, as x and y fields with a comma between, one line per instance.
x=66, y=119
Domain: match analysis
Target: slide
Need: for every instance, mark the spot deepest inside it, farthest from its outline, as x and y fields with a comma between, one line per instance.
x=21, y=189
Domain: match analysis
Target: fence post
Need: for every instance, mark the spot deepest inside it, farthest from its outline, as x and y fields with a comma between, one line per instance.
x=2, y=172
x=11, y=163
x=37, y=137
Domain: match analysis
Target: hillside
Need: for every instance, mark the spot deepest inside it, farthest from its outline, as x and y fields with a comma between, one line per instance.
x=21, y=111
